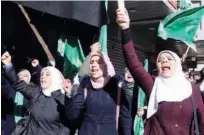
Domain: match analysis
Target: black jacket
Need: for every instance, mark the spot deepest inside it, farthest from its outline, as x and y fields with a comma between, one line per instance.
x=98, y=110
x=47, y=113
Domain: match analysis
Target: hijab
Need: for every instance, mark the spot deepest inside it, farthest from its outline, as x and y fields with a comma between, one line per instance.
x=128, y=87
x=173, y=89
x=57, y=80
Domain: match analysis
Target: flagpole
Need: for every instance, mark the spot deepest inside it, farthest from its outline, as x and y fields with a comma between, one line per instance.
x=121, y=4
x=37, y=34
x=185, y=54
x=187, y=50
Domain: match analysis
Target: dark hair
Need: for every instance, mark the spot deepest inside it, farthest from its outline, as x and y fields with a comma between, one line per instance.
x=185, y=69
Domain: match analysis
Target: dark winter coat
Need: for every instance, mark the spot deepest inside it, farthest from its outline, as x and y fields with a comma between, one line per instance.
x=98, y=110
x=47, y=113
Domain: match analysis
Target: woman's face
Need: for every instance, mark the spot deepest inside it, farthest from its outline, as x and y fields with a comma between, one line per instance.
x=128, y=77
x=45, y=79
x=23, y=75
x=97, y=67
x=166, y=65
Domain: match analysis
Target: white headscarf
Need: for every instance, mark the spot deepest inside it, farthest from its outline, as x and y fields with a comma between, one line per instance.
x=57, y=80
x=173, y=89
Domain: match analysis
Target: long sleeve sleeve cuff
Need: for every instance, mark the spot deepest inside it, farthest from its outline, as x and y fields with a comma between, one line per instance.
x=8, y=67
x=126, y=36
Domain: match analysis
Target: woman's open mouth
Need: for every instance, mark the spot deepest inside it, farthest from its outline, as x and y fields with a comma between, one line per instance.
x=165, y=68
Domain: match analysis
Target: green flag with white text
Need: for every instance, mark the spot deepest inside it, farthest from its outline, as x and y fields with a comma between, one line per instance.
x=183, y=24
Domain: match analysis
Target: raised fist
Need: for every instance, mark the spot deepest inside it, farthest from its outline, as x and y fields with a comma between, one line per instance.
x=96, y=47
x=6, y=58
x=67, y=86
x=35, y=62
x=122, y=18
x=141, y=111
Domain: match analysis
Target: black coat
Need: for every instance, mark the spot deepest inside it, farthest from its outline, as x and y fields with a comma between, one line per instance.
x=35, y=74
x=7, y=109
x=47, y=113
x=98, y=110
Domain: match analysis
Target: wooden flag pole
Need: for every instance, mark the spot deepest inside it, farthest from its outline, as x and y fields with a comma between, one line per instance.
x=185, y=55
x=37, y=34
x=187, y=50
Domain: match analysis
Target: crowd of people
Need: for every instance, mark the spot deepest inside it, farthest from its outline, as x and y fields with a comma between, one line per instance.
x=100, y=102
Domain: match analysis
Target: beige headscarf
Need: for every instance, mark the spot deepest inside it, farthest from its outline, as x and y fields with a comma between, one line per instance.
x=173, y=89
x=110, y=72
x=57, y=80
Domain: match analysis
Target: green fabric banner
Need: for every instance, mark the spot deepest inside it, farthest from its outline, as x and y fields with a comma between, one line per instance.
x=138, y=126
x=103, y=34
x=18, y=104
x=183, y=24
x=73, y=55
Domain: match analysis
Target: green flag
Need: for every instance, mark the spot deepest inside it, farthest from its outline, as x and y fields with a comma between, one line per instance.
x=18, y=102
x=138, y=126
x=103, y=34
x=73, y=55
x=71, y=51
x=183, y=24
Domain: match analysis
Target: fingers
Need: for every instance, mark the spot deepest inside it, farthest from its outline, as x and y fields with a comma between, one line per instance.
x=122, y=18
x=5, y=55
x=96, y=47
x=67, y=83
x=122, y=12
x=35, y=62
x=140, y=112
x=6, y=58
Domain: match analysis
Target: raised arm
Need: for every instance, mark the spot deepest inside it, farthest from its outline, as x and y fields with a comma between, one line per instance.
x=142, y=77
x=10, y=73
x=74, y=105
x=29, y=91
x=36, y=70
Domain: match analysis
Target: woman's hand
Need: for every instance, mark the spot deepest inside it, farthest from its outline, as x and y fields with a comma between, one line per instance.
x=67, y=86
x=122, y=18
x=35, y=63
x=141, y=111
x=96, y=47
x=6, y=58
